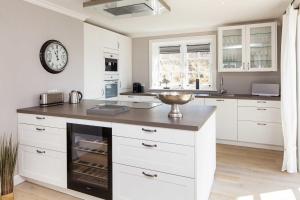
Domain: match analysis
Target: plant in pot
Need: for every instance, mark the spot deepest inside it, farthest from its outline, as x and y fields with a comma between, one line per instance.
x=8, y=159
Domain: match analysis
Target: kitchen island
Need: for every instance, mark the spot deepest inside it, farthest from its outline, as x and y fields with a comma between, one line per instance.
x=153, y=157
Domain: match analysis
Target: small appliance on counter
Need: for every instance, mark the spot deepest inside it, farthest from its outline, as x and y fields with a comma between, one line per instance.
x=138, y=88
x=75, y=97
x=51, y=99
x=263, y=89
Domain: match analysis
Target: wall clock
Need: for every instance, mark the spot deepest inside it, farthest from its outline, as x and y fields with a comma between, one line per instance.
x=54, y=56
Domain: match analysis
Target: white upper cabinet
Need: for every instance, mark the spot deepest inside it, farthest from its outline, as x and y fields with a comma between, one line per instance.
x=98, y=41
x=125, y=63
x=248, y=48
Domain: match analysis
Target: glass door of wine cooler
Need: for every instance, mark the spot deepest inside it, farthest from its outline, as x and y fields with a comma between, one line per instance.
x=90, y=160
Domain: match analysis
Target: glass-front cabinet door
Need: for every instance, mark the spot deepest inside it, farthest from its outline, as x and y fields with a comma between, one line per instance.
x=231, y=48
x=261, y=48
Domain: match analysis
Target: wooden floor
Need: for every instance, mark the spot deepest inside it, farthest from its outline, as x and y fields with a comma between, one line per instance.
x=242, y=174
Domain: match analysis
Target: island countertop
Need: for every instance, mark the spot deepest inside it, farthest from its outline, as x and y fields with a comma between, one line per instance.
x=194, y=116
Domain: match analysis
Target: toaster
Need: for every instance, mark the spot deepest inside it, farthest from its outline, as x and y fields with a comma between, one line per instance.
x=51, y=99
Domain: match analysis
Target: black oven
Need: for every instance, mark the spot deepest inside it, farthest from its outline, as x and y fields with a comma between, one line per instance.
x=89, y=152
x=111, y=62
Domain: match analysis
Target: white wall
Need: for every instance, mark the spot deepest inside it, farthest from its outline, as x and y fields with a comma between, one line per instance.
x=23, y=29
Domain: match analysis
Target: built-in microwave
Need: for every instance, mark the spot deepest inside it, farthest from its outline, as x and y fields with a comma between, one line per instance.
x=111, y=62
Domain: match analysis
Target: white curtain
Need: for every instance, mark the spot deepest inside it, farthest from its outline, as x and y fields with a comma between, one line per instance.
x=289, y=88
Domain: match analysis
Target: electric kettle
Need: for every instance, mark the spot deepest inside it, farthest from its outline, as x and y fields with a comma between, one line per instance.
x=75, y=97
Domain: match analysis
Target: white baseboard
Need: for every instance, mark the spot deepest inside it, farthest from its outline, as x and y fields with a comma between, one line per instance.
x=251, y=145
x=18, y=180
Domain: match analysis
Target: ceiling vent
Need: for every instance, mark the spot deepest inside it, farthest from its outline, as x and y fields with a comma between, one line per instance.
x=123, y=8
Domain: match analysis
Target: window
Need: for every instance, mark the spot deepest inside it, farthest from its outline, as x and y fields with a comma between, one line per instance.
x=178, y=63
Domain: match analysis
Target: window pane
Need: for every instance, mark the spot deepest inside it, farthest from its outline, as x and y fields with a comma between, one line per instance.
x=170, y=70
x=199, y=66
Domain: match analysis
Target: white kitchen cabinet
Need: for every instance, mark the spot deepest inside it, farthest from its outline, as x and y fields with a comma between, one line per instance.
x=260, y=133
x=132, y=183
x=96, y=42
x=259, y=122
x=226, y=117
x=93, y=63
x=259, y=114
x=248, y=48
x=125, y=64
x=45, y=137
x=156, y=134
x=132, y=152
x=43, y=165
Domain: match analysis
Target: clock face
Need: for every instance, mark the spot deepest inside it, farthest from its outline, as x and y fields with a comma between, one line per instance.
x=54, y=56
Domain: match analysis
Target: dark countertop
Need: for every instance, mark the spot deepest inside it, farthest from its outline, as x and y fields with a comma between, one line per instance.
x=212, y=95
x=194, y=117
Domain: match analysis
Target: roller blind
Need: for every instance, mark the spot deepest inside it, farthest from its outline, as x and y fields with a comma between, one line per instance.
x=205, y=48
x=169, y=49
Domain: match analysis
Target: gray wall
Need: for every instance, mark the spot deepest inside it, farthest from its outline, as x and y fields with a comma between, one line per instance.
x=23, y=29
x=239, y=83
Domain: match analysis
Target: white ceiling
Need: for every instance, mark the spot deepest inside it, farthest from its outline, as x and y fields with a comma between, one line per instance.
x=185, y=16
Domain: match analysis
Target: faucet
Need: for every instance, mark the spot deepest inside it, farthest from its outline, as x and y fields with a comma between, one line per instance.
x=222, y=89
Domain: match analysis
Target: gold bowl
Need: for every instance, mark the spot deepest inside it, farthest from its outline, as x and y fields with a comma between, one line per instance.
x=175, y=99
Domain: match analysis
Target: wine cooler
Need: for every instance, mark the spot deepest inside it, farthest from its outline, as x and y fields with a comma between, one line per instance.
x=90, y=160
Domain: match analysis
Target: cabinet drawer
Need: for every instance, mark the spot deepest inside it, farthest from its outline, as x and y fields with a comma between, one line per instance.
x=154, y=134
x=43, y=165
x=261, y=133
x=43, y=137
x=42, y=120
x=169, y=158
x=136, y=184
x=259, y=103
x=259, y=114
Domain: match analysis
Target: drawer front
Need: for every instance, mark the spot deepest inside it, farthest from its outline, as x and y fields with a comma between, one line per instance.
x=43, y=165
x=139, y=184
x=154, y=134
x=261, y=133
x=259, y=103
x=43, y=137
x=168, y=158
x=42, y=120
x=259, y=114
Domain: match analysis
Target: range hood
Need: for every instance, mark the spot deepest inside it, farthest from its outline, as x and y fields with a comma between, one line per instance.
x=121, y=8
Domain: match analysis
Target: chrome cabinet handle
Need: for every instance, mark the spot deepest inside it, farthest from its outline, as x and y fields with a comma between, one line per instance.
x=102, y=92
x=261, y=109
x=148, y=130
x=149, y=145
x=40, y=129
x=40, y=118
x=150, y=175
x=130, y=96
x=40, y=152
x=261, y=124
x=220, y=100
x=261, y=102
x=120, y=84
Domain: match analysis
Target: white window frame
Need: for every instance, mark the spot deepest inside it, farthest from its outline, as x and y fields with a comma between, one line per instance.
x=154, y=44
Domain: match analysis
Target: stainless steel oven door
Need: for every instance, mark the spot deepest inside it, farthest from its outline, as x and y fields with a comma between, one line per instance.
x=111, y=89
